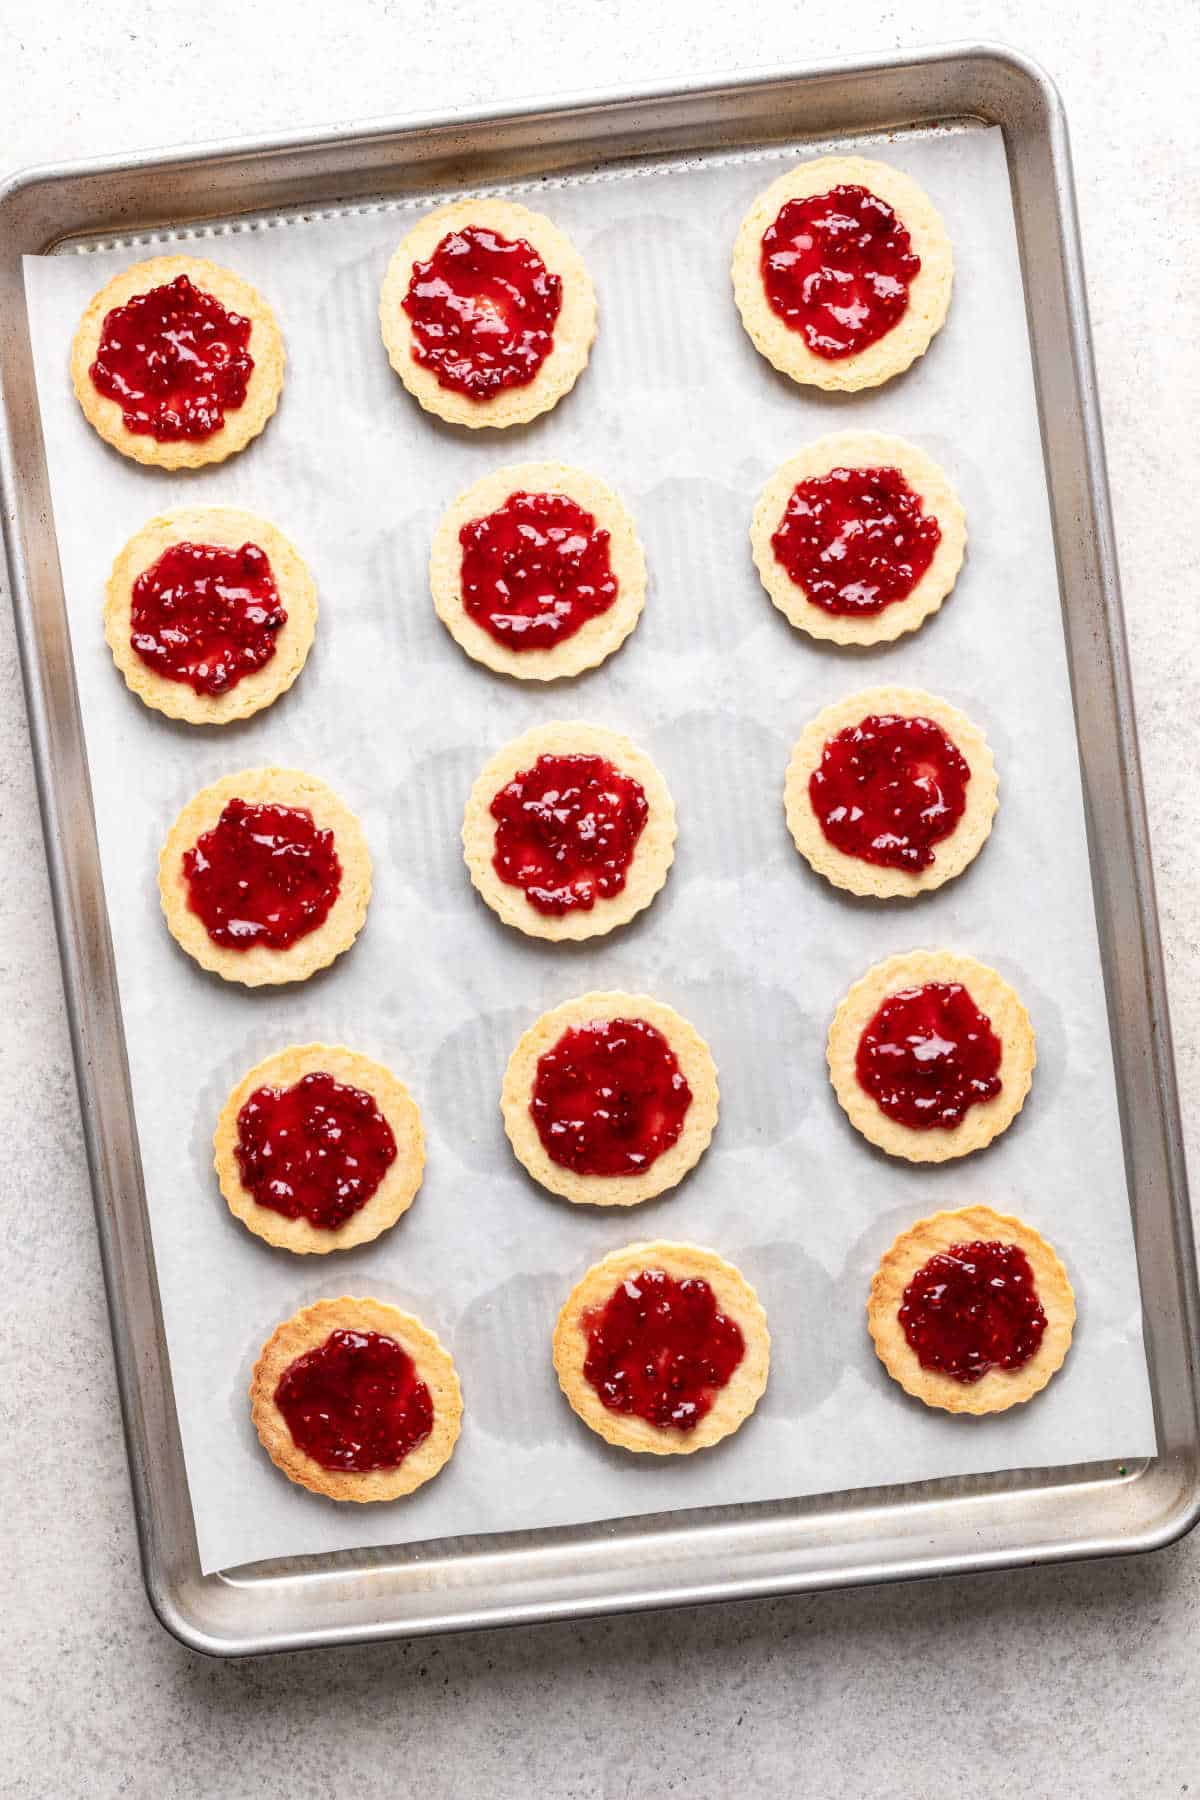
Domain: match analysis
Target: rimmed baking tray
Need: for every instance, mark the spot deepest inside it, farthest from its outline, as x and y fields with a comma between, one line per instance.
x=868, y=1535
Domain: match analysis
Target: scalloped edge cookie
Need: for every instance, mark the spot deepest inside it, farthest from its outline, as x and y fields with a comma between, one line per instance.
x=928, y=295
x=260, y=966
x=951, y=855
x=652, y=857
x=395, y=1193
x=999, y=1388
x=731, y=1406
x=229, y=527
x=696, y=1064
x=310, y=1327
x=861, y=450
x=574, y=329
x=265, y=346
x=598, y=637
x=1009, y=1020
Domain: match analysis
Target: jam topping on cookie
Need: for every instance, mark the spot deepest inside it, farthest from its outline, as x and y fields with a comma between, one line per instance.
x=661, y=1349
x=264, y=874
x=856, y=540
x=888, y=789
x=206, y=615
x=566, y=831
x=929, y=1055
x=837, y=268
x=355, y=1402
x=609, y=1097
x=317, y=1150
x=535, y=570
x=483, y=310
x=175, y=360
x=972, y=1308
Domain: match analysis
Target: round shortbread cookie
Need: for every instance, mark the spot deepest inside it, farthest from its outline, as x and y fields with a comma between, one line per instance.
x=861, y=450
x=242, y=423
x=574, y=329
x=928, y=294
x=998, y=1389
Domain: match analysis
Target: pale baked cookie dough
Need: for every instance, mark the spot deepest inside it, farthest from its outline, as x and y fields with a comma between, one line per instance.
x=265, y=347
x=861, y=450
x=999, y=1388
x=695, y=1063
x=983, y=1121
x=652, y=855
x=574, y=329
x=928, y=293
x=951, y=854
x=598, y=637
x=310, y=1327
x=229, y=528
x=393, y=1196
x=732, y=1404
x=260, y=966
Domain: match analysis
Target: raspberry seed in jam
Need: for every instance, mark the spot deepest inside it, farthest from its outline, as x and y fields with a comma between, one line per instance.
x=661, y=1349
x=888, y=789
x=929, y=1055
x=483, y=310
x=535, y=570
x=355, y=1402
x=567, y=830
x=972, y=1308
x=856, y=540
x=317, y=1150
x=264, y=874
x=206, y=615
x=609, y=1098
x=175, y=360
x=837, y=268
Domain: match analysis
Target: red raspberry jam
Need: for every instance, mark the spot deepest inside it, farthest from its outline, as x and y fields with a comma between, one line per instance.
x=263, y=875
x=609, y=1098
x=888, y=789
x=837, y=267
x=972, y=1308
x=316, y=1150
x=856, y=540
x=175, y=361
x=483, y=311
x=660, y=1349
x=206, y=615
x=535, y=570
x=355, y=1402
x=566, y=831
x=929, y=1055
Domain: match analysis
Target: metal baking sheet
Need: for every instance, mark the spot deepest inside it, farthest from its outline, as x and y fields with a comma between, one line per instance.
x=639, y=1561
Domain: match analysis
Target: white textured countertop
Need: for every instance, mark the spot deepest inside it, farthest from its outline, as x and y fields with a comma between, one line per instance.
x=1055, y=1682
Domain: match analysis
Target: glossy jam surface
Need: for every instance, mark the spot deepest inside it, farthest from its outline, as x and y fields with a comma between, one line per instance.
x=972, y=1308
x=929, y=1055
x=609, y=1097
x=206, y=615
x=355, y=1402
x=888, y=789
x=566, y=831
x=535, y=570
x=317, y=1150
x=483, y=310
x=262, y=875
x=837, y=267
x=856, y=540
x=175, y=361
x=661, y=1349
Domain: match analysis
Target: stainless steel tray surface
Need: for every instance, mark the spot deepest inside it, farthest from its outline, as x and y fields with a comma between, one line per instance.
x=935, y=1527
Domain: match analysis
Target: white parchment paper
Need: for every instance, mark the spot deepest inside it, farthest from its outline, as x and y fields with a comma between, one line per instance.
x=682, y=415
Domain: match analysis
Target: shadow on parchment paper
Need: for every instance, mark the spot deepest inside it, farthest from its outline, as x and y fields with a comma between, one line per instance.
x=730, y=826
x=763, y=1097
x=464, y=1085
x=514, y=1394
x=425, y=825
x=649, y=348
x=697, y=526
x=810, y=1337
x=397, y=595
x=348, y=316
